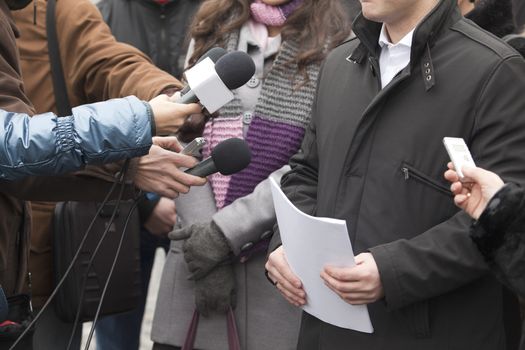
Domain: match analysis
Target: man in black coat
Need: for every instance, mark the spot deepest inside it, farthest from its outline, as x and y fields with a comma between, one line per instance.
x=373, y=155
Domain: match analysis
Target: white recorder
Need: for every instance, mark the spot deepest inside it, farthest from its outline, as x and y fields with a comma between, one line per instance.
x=459, y=154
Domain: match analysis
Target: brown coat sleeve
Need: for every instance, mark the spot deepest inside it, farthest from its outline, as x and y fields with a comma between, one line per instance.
x=12, y=96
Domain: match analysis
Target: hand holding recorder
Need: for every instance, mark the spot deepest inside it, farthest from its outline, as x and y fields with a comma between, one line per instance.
x=473, y=187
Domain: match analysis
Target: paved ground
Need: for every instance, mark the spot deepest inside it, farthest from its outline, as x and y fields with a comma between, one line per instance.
x=145, y=342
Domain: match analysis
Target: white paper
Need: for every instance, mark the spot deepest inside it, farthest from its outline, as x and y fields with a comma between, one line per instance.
x=311, y=243
x=208, y=86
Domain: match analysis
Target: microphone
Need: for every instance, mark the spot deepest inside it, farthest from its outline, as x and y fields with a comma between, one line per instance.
x=211, y=84
x=228, y=157
x=214, y=54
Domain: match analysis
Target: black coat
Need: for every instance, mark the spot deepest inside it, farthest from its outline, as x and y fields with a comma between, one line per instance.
x=375, y=158
x=160, y=31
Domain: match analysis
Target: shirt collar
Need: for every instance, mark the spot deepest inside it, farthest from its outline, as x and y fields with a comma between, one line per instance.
x=385, y=41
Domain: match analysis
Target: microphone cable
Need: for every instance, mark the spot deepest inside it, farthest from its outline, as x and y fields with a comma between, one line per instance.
x=90, y=264
x=110, y=273
x=75, y=257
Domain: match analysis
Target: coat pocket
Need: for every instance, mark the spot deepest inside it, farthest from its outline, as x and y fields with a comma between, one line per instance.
x=411, y=173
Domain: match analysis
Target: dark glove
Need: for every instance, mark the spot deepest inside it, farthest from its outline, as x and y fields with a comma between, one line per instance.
x=216, y=291
x=205, y=247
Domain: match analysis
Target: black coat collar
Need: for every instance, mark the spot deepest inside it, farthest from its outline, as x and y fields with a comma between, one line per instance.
x=445, y=13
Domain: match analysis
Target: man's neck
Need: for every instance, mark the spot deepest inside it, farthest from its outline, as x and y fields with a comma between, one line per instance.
x=399, y=27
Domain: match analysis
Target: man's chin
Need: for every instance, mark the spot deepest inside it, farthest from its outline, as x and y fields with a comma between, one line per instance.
x=370, y=13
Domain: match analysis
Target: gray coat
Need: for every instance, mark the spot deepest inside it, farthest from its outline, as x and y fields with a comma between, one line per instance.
x=264, y=319
x=375, y=159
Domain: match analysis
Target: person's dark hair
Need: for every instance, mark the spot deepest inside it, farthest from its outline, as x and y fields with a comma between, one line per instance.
x=316, y=25
x=517, y=41
x=494, y=16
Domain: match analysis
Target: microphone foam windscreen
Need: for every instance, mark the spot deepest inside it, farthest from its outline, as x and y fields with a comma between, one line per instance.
x=214, y=54
x=235, y=69
x=231, y=156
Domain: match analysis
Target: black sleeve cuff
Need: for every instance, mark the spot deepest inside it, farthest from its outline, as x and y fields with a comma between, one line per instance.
x=146, y=207
x=489, y=230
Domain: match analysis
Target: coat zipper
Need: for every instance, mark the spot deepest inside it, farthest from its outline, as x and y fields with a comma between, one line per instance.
x=410, y=172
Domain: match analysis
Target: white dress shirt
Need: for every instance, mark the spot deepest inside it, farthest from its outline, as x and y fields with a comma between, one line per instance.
x=394, y=57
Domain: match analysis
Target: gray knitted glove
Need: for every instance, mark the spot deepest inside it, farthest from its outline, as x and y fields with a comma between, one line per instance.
x=204, y=248
x=216, y=291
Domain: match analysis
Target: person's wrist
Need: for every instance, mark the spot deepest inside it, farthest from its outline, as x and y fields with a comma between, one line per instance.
x=489, y=230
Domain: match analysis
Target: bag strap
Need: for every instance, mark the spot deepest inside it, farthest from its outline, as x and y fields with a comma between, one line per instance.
x=57, y=73
x=192, y=332
x=233, y=334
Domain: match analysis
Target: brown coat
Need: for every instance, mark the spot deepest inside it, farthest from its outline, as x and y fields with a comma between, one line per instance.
x=14, y=213
x=96, y=67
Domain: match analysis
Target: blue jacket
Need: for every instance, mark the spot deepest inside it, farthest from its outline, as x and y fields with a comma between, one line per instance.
x=96, y=133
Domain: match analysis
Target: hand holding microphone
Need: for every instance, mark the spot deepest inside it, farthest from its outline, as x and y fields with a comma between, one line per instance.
x=209, y=84
x=228, y=157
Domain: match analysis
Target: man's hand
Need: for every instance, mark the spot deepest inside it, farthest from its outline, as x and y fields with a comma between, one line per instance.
x=162, y=218
x=358, y=284
x=170, y=116
x=170, y=143
x=284, y=279
x=159, y=172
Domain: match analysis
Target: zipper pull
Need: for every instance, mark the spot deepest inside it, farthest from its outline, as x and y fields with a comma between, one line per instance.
x=405, y=171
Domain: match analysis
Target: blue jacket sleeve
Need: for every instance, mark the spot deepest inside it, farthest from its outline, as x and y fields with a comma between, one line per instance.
x=98, y=133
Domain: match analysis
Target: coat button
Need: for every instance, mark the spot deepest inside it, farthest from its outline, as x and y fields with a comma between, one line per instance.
x=247, y=118
x=266, y=235
x=246, y=246
x=253, y=82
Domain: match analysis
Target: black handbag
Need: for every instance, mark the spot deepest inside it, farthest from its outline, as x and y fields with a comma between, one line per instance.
x=124, y=290
x=71, y=222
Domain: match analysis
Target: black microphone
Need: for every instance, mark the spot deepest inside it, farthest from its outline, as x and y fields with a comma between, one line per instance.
x=234, y=69
x=228, y=157
x=214, y=54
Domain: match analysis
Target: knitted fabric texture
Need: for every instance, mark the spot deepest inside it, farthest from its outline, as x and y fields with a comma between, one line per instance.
x=281, y=115
x=273, y=15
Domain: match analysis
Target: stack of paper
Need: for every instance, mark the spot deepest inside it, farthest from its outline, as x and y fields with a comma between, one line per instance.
x=310, y=243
